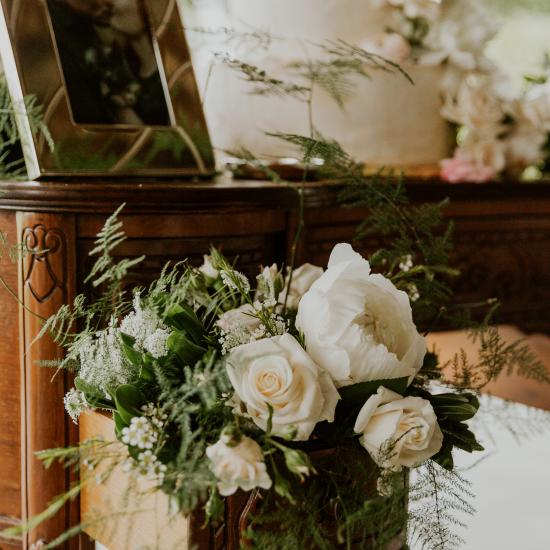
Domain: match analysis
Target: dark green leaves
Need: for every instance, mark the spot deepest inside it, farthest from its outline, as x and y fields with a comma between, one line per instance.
x=186, y=350
x=93, y=396
x=456, y=407
x=452, y=410
x=183, y=318
x=128, y=401
x=357, y=394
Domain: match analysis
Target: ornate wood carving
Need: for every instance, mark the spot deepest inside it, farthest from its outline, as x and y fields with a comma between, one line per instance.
x=46, y=282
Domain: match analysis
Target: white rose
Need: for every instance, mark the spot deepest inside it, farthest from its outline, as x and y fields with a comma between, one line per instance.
x=302, y=279
x=460, y=35
x=524, y=146
x=358, y=326
x=536, y=107
x=428, y=9
x=389, y=45
x=486, y=150
x=477, y=104
x=243, y=318
x=207, y=268
x=398, y=431
x=238, y=466
x=277, y=372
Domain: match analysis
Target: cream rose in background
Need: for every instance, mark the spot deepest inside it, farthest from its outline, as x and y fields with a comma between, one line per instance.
x=277, y=372
x=238, y=465
x=302, y=279
x=398, y=431
x=244, y=317
x=357, y=325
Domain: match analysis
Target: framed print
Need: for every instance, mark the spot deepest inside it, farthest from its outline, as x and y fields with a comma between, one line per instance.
x=116, y=83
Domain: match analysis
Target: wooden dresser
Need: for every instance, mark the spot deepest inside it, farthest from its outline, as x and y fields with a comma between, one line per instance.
x=503, y=250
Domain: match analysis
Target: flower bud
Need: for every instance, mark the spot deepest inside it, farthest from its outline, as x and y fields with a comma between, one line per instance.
x=298, y=463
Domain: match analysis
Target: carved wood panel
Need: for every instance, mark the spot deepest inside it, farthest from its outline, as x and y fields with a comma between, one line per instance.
x=500, y=256
x=46, y=281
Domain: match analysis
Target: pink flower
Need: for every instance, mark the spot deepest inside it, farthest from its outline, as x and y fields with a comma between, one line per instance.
x=462, y=167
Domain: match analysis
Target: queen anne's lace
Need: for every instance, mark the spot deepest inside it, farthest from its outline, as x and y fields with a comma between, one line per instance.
x=75, y=404
x=147, y=329
x=102, y=361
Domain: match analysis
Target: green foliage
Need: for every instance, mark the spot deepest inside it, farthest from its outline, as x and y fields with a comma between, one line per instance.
x=334, y=72
x=192, y=400
x=495, y=357
x=12, y=164
x=436, y=495
x=330, y=510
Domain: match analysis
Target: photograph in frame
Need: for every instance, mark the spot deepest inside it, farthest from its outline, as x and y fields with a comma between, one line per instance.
x=116, y=82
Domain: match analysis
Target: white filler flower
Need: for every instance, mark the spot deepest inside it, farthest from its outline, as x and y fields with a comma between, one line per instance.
x=238, y=466
x=277, y=372
x=398, y=431
x=358, y=326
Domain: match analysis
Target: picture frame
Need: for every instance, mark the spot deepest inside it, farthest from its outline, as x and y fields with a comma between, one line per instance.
x=116, y=83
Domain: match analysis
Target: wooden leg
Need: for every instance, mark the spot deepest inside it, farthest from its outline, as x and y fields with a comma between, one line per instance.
x=46, y=281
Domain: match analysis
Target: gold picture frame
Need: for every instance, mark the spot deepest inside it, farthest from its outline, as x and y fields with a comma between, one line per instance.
x=118, y=89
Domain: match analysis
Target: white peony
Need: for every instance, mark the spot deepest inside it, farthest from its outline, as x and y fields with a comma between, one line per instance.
x=238, y=466
x=302, y=279
x=390, y=45
x=357, y=325
x=398, y=431
x=277, y=372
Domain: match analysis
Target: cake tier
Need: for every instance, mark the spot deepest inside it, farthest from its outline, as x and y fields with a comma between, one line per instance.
x=386, y=120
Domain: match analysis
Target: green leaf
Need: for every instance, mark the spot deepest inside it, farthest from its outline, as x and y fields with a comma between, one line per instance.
x=458, y=435
x=119, y=423
x=183, y=318
x=133, y=356
x=93, y=395
x=358, y=393
x=128, y=402
x=184, y=348
x=147, y=372
x=445, y=457
x=454, y=406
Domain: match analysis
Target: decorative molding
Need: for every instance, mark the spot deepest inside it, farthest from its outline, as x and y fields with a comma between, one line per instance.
x=47, y=274
x=43, y=245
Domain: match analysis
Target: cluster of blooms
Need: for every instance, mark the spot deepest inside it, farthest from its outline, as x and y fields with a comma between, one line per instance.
x=146, y=465
x=357, y=327
x=289, y=348
x=503, y=130
x=75, y=404
x=102, y=362
x=145, y=326
x=141, y=433
x=144, y=433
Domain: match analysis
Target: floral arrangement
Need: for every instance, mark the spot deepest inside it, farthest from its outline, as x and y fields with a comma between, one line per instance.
x=263, y=376
x=310, y=388
x=501, y=131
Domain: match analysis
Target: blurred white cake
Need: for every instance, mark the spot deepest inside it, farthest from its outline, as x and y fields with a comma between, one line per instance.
x=387, y=121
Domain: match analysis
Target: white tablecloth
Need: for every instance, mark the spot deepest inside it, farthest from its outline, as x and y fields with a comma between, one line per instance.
x=512, y=488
